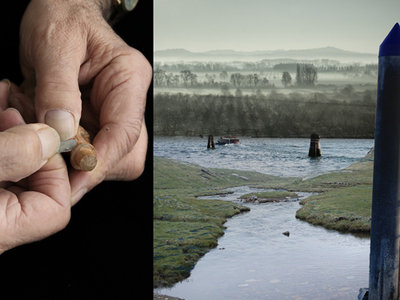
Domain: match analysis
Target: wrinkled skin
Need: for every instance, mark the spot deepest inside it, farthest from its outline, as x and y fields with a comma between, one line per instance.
x=73, y=61
x=35, y=195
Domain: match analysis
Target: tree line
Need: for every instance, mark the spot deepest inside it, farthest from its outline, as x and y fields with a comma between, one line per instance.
x=187, y=78
x=267, y=65
x=343, y=115
x=306, y=75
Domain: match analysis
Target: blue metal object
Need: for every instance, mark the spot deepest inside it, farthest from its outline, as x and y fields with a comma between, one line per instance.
x=385, y=223
x=391, y=44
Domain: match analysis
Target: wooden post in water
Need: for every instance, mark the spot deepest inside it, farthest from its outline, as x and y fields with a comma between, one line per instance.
x=315, y=147
x=385, y=223
x=210, y=143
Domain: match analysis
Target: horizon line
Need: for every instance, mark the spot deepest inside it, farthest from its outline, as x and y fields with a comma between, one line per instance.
x=264, y=50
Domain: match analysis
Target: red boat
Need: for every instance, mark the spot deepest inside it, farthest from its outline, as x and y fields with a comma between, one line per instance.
x=227, y=140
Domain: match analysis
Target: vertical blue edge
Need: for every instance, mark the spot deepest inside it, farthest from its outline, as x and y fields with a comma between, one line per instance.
x=391, y=44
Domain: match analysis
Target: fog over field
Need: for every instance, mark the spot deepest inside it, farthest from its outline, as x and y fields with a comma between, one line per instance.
x=264, y=96
x=252, y=68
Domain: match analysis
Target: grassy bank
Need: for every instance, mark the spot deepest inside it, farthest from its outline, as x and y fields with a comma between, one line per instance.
x=344, y=199
x=185, y=228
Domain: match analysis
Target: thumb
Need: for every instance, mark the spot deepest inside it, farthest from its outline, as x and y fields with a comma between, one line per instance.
x=57, y=98
x=25, y=149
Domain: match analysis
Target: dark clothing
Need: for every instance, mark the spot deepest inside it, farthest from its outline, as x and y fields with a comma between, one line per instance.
x=106, y=250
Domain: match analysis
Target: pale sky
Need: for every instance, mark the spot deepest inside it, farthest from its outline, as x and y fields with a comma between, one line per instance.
x=246, y=25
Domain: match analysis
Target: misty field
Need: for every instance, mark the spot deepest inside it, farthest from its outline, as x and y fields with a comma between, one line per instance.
x=266, y=99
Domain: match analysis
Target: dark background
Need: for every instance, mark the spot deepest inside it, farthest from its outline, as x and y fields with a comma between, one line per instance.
x=106, y=250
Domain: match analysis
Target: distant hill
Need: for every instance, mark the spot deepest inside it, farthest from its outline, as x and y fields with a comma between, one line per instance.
x=223, y=55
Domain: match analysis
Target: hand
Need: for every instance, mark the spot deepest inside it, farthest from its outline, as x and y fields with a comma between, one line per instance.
x=68, y=52
x=35, y=196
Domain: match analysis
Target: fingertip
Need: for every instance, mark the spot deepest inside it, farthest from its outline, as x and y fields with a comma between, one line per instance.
x=4, y=91
x=50, y=142
x=10, y=118
x=26, y=149
x=7, y=83
x=58, y=101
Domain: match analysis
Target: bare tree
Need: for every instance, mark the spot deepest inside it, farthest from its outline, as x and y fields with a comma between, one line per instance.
x=306, y=74
x=223, y=75
x=159, y=77
x=210, y=79
x=237, y=79
x=188, y=78
x=185, y=75
x=286, y=78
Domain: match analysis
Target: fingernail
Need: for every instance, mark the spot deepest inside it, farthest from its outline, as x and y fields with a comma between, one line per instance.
x=62, y=121
x=50, y=141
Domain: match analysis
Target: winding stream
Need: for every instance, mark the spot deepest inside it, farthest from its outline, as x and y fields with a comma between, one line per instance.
x=253, y=259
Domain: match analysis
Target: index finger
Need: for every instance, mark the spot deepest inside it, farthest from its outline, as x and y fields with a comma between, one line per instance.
x=119, y=94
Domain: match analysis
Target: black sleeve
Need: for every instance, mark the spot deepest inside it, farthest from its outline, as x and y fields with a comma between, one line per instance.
x=10, y=16
x=105, y=252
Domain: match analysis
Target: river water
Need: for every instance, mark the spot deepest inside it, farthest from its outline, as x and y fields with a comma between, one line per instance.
x=281, y=157
x=254, y=260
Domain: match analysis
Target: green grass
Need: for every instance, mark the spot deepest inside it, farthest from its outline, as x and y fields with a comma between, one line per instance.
x=185, y=227
x=346, y=209
x=357, y=174
x=344, y=200
x=178, y=245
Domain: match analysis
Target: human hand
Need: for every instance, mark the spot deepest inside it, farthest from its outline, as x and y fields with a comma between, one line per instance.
x=68, y=52
x=35, y=195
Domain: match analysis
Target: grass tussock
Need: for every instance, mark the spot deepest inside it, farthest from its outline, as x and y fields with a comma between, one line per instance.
x=344, y=199
x=346, y=209
x=269, y=196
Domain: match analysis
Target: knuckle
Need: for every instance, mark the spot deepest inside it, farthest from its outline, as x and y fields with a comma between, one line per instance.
x=129, y=169
x=142, y=64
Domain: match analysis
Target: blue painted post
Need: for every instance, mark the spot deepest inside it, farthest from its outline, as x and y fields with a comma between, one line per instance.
x=385, y=224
